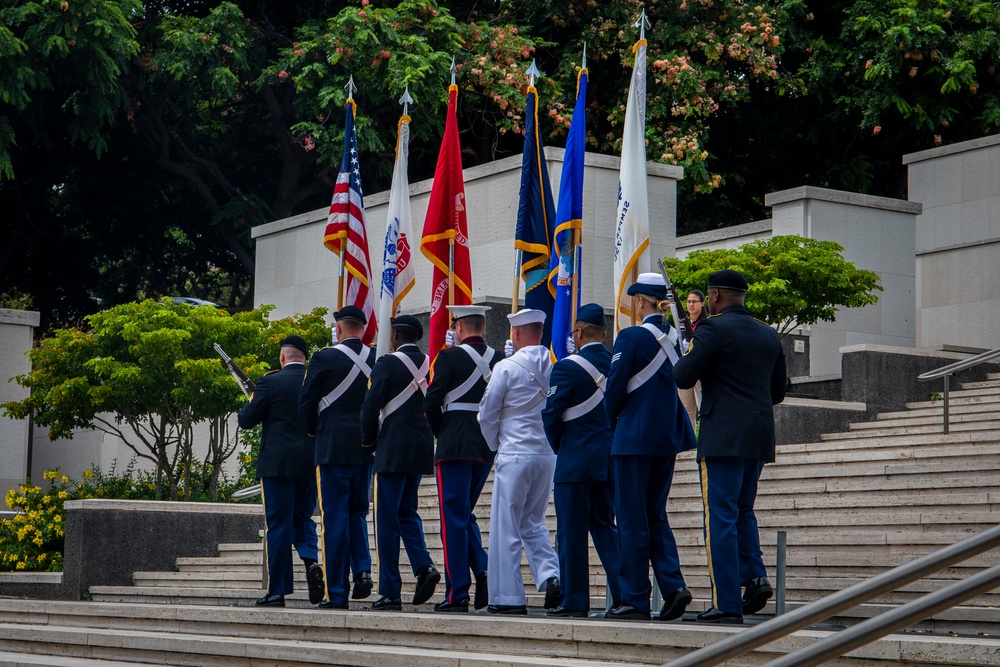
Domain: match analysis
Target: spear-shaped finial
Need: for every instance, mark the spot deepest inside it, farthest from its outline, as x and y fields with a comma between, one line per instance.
x=532, y=73
x=642, y=24
x=583, y=65
x=454, y=70
x=406, y=100
x=350, y=87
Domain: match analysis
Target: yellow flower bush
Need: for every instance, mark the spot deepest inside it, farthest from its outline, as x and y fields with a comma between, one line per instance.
x=33, y=539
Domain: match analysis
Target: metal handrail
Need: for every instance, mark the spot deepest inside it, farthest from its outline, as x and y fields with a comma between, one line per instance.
x=780, y=626
x=839, y=643
x=947, y=371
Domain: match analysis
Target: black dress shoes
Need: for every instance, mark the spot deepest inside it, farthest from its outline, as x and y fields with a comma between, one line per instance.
x=270, y=601
x=562, y=612
x=758, y=592
x=508, y=609
x=314, y=580
x=460, y=607
x=482, y=598
x=362, y=586
x=326, y=604
x=427, y=580
x=626, y=612
x=387, y=604
x=675, y=604
x=553, y=593
x=714, y=615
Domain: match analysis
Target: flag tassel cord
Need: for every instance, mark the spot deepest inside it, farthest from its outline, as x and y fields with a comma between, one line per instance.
x=451, y=271
x=575, y=280
x=517, y=284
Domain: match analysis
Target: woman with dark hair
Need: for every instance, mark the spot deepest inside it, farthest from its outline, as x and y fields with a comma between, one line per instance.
x=697, y=312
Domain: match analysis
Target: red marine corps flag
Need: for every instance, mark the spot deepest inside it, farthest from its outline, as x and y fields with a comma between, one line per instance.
x=345, y=229
x=445, y=240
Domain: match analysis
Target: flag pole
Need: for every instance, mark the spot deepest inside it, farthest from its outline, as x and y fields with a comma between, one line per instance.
x=451, y=240
x=350, y=87
x=577, y=244
x=635, y=279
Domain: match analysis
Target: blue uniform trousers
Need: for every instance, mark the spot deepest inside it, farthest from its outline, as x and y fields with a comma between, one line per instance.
x=583, y=507
x=728, y=491
x=361, y=555
x=459, y=485
x=334, y=482
x=396, y=518
x=288, y=507
x=641, y=487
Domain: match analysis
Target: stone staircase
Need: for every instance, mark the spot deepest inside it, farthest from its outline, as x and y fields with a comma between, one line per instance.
x=853, y=505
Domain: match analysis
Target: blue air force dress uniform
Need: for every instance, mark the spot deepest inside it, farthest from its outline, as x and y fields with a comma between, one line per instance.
x=286, y=473
x=330, y=407
x=576, y=425
x=741, y=366
x=650, y=428
x=393, y=423
x=511, y=421
x=462, y=459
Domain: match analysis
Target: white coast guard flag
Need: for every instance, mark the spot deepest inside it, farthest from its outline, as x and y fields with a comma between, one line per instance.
x=397, y=264
x=632, y=222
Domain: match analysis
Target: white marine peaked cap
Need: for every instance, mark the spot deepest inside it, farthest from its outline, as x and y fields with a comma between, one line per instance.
x=651, y=279
x=458, y=312
x=526, y=316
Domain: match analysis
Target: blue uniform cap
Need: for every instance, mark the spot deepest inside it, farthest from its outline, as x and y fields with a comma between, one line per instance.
x=591, y=313
x=297, y=342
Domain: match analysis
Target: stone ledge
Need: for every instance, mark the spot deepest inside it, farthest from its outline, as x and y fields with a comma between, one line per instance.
x=28, y=318
x=908, y=351
x=162, y=506
x=850, y=406
x=31, y=578
x=951, y=149
x=841, y=197
x=715, y=235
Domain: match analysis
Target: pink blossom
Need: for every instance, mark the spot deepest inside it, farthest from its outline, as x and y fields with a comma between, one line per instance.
x=309, y=144
x=876, y=129
x=282, y=74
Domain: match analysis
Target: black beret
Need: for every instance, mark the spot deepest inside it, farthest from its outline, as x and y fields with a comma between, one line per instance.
x=408, y=322
x=591, y=313
x=727, y=279
x=351, y=313
x=298, y=342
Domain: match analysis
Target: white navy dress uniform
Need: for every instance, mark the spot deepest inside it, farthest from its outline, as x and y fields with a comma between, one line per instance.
x=510, y=416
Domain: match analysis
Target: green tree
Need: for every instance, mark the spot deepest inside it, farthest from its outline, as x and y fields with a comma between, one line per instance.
x=794, y=281
x=147, y=373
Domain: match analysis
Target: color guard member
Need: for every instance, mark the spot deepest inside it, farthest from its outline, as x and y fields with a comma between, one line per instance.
x=463, y=460
x=286, y=473
x=741, y=366
x=511, y=420
x=393, y=423
x=330, y=407
x=576, y=425
x=650, y=428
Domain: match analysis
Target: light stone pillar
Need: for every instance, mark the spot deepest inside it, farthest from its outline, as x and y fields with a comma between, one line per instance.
x=16, y=336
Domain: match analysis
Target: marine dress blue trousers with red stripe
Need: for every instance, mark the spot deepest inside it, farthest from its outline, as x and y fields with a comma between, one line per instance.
x=459, y=485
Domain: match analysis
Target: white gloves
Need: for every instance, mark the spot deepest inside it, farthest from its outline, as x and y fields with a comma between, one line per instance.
x=570, y=345
x=333, y=337
x=508, y=348
x=450, y=339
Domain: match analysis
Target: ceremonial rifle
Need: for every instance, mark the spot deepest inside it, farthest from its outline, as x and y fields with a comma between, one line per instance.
x=683, y=323
x=245, y=383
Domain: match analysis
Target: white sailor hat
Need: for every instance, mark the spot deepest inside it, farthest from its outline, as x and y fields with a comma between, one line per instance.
x=458, y=312
x=526, y=316
x=651, y=284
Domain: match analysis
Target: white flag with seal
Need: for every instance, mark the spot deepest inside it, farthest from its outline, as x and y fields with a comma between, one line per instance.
x=397, y=259
x=632, y=221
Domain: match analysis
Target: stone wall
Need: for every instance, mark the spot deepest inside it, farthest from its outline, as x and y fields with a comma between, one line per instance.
x=958, y=243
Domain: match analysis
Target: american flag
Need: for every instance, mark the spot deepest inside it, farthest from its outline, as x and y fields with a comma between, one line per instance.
x=346, y=227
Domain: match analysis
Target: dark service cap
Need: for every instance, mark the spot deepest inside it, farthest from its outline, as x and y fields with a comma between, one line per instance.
x=298, y=342
x=351, y=313
x=591, y=313
x=727, y=279
x=408, y=322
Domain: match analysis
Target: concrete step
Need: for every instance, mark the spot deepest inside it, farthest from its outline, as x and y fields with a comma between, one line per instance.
x=834, y=443
x=982, y=384
x=953, y=418
x=938, y=408
x=10, y=659
x=953, y=400
x=194, y=635
x=886, y=431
